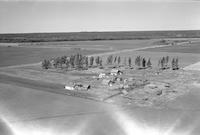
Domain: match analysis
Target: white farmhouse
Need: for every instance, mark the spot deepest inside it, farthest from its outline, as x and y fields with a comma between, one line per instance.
x=69, y=87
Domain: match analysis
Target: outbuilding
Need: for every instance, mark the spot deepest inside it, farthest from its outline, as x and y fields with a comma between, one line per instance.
x=116, y=72
x=102, y=75
x=107, y=82
x=69, y=87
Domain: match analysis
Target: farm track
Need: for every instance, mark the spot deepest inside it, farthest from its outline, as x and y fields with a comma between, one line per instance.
x=195, y=66
x=129, y=50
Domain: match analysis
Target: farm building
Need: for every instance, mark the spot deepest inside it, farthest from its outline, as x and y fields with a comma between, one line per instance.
x=107, y=82
x=78, y=86
x=69, y=87
x=116, y=72
x=102, y=75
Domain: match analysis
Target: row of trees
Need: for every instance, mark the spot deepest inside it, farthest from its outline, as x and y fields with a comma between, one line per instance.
x=163, y=63
x=79, y=62
x=142, y=62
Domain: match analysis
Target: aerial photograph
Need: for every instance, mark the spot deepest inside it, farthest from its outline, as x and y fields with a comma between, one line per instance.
x=99, y=67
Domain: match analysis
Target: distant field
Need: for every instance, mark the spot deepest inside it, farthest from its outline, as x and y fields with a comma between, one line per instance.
x=83, y=36
x=30, y=53
x=100, y=44
x=24, y=55
x=187, y=48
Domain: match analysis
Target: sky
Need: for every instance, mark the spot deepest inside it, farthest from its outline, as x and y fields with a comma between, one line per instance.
x=30, y=16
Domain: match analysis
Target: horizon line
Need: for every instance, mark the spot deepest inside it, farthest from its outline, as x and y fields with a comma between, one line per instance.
x=95, y=31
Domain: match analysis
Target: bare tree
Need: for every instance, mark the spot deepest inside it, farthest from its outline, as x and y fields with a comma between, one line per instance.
x=143, y=62
x=115, y=60
x=86, y=62
x=138, y=61
x=91, y=60
x=149, y=65
x=97, y=60
x=46, y=64
x=129, y=61
x=119, y=60
x=100, y=62
x=109, y=60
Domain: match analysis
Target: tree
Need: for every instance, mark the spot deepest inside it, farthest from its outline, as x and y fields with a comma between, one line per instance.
x=97, y=60
x=63, y=59
x=175, y=65
x=46, y=64
x=166, y=61
x=143, y=63
x=149, y=65
x=67, y=63
x=91, y=60
x=79, y=61
x=58, y=62
x=72, y=59
x=159, y=63
x=115, y=60
x=101, y=62
x=119, y=60
x=129, y=61
x=109, y=59
x=162, y=63
x=138, y=60
x=86, y=62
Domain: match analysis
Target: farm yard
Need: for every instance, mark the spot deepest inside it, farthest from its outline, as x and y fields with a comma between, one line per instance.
x=68, y=98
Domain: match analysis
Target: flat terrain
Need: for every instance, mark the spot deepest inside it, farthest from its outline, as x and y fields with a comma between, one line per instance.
x=33, y=112
x=33, y=101
x=25, y=55
x=184, y=48
x=88, y=36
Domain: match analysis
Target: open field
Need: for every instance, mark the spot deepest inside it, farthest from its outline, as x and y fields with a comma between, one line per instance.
x=35, y=52
x=33, y=98
x=184, y=48
x=25, y=55
x=97, y=44
x=84, y=36
x=35, y=72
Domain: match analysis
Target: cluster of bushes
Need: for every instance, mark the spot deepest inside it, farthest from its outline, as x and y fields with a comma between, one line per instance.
x=77, y=61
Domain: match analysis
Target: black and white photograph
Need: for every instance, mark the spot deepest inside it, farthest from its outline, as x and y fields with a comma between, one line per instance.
x=99, y=67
